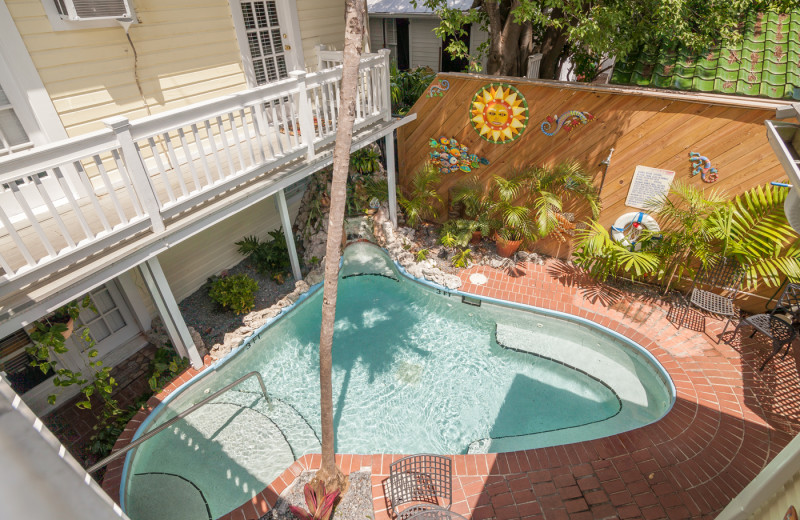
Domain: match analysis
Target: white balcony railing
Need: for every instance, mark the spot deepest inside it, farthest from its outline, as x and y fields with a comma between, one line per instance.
x=65, y=201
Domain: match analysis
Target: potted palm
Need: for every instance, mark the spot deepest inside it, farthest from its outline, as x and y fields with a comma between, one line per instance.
x=512, y=222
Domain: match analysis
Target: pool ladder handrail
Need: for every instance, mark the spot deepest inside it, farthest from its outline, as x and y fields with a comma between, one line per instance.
x=149, y=435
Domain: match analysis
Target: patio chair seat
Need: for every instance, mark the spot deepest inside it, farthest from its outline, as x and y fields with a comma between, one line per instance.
x=420, y=482
x=713, y=302
x=430, y=512
x=777, y=327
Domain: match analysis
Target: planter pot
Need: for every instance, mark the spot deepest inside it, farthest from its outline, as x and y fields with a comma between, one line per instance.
x=476, y=237
x=70, y=327
x=506, y=248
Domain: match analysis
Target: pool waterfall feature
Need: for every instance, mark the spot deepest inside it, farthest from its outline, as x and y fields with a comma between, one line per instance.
x=417, y=368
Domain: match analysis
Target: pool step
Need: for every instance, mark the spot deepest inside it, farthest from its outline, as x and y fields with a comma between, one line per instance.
x=298, y=432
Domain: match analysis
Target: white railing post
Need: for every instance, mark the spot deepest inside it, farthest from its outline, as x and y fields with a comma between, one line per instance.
x=320, y=64
x=386, y=99
x=306, y=118
x=136, y=170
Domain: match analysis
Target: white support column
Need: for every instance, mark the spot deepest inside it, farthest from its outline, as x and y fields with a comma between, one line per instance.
x=391, y=178
x=386, y=99
x=168, y=310
x=283, y=211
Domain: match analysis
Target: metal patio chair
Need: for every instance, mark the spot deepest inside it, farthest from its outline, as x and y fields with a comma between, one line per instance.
x=778, y=324
x=418, y=482
x=431, y=512
x=725, y=276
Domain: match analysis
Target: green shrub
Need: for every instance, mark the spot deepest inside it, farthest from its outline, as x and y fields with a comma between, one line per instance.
x=166, y=365
x=268, y=257
x=235, y=292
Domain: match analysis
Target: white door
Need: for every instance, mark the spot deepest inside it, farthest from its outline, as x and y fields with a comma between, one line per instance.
x=267, y=39
x=111, y=326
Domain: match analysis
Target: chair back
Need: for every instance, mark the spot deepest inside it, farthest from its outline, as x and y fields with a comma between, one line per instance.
x=423, y=478
x=789, y=300
x=725, y=274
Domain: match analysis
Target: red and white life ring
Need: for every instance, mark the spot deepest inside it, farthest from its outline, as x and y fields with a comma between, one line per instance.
x=628, y=227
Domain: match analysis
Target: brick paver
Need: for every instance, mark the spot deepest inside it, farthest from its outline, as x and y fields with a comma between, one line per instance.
x=728, y=422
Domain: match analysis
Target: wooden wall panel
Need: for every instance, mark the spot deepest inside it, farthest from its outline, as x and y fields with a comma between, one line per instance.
x=644, y=126
x=650, y=128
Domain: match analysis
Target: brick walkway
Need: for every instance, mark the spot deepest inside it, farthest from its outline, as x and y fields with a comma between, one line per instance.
x=728, y=422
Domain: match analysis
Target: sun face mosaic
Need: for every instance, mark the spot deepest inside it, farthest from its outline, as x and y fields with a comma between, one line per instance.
x=499, y=113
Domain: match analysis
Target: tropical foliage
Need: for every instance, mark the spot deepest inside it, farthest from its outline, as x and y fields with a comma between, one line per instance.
x=319, y=502
x=268, y=257
x=423, y=199
x=407, y=86
x=699, y=228
x=235, y=292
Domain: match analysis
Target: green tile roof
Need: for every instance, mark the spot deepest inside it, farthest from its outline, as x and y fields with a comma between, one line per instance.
x=766, y=62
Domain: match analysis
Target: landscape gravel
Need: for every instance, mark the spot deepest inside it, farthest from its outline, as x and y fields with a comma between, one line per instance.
x=355, y=505
x=212, y=321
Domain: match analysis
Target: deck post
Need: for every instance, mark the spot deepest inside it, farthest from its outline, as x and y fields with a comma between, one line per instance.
x=319, y=48
x=283, y=211
x=168, y=310
x=385, y=95
x=391, y=177
x=136, y=170
x=305, y=116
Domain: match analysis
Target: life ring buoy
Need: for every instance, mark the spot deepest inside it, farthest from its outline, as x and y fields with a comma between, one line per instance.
x=627, y=228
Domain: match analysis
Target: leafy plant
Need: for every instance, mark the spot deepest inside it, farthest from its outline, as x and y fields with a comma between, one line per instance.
x=235, y=292
x=462, y=258
x=477, y=203
x=320, y=504
x=365, y=161
x=378, y=189
x=601, y=256
x=547, y=189
x=268, y=257
x=423, y=199
x=458, y=231
x=512, y=221
x=407, y=86
x=164, y=367
x=422, y=254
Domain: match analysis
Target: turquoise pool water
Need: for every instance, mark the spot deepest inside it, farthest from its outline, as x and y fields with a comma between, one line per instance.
x=415, y=370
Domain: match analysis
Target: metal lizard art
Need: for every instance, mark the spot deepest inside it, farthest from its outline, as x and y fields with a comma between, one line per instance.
x=439, y=90
x=567, y=121
x=702, y=165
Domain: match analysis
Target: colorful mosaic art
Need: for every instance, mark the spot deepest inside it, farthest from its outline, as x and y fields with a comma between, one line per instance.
x=440, y=89
x=567, y=121
x=453, y=157
x=499, y=113
x=702, y=165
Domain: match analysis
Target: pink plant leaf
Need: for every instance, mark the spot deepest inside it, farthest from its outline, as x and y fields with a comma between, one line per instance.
x=300, y=513
x=325, y=511
x=311, y=493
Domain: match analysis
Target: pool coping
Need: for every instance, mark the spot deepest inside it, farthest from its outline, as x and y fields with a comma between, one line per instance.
x=677, y=422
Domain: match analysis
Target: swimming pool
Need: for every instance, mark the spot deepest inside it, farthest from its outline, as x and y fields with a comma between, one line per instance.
x=416, y=369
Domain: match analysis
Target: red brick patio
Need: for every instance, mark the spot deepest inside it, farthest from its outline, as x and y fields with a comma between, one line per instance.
x=728, y=422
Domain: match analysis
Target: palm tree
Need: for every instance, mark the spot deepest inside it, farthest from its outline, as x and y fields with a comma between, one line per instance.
x=329, y=473
x=549, y=188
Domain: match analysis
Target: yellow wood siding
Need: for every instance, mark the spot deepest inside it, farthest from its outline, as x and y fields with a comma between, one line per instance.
x=775, y=508
x=188, y=265
x=187, y=52
x=321, y=22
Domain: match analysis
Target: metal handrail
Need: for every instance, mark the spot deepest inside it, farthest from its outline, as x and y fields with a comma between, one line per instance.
x=178, y=417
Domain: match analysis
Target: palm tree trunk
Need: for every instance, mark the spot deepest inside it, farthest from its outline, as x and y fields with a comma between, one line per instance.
x=329, y=473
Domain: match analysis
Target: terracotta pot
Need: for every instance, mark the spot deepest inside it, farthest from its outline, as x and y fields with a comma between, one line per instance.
x=506, y=248
x=476, y=237
x=70, y=327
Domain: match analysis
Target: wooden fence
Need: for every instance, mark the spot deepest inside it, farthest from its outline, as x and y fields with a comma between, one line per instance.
x=647, y=127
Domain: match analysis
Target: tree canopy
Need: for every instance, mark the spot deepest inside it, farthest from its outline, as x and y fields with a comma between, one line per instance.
x=597, y=28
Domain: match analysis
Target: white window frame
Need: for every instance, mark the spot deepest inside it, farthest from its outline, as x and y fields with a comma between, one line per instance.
x=290, y=24
x=62, y=24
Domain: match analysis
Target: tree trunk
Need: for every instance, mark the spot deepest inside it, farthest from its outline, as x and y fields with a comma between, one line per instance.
x=329, y=473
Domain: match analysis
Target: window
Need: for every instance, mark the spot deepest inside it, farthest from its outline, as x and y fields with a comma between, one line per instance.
x=264, y=40
x=13, y=137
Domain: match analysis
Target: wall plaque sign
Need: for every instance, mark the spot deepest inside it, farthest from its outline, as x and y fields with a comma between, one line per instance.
x=648, y=185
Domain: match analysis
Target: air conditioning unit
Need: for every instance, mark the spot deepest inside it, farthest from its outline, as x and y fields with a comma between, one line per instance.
x=82, y=10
